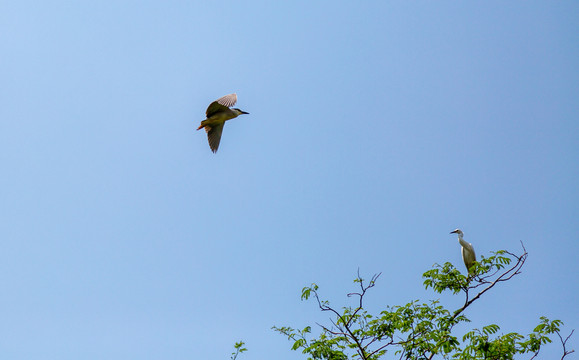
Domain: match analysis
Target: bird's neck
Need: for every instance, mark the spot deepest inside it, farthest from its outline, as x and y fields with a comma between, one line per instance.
x=461, y=240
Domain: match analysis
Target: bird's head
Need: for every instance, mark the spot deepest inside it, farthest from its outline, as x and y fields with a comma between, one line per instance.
x=239, y=111
x=457, y=231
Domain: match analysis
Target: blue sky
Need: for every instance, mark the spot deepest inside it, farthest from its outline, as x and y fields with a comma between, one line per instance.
x=375, y=129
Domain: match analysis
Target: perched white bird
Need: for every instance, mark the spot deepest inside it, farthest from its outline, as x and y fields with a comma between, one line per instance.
x=468, y=255
x=217, y=114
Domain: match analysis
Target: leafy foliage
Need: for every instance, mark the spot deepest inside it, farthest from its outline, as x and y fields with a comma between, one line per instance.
x=238, y=349
x=424, y=330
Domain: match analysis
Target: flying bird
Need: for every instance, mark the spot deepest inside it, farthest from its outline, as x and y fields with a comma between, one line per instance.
x=468, y=255
x=217, y=114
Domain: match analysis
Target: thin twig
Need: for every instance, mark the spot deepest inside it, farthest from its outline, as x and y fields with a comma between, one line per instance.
x=360, y=348
x=514, y=270
x=564, y=343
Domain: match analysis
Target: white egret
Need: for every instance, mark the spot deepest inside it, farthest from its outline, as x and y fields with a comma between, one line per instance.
x=217, y=114
x=468, y=255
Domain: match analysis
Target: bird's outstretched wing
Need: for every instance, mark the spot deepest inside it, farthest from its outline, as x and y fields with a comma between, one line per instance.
x=214, y=136
x=221, y=104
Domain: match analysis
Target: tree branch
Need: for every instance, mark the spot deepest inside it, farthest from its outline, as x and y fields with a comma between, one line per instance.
x=514, y=270
x=360, y=348
x=507, y=275
x=564, y=343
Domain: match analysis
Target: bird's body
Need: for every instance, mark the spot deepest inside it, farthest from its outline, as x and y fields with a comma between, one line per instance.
x=467, y=250
x=217, y=114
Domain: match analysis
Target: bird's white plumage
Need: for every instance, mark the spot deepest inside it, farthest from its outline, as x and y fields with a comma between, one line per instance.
x=467, y=250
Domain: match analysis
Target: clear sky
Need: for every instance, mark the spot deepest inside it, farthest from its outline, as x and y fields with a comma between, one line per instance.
x=375, y=128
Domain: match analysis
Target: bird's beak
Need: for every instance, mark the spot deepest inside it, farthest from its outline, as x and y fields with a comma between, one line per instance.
x=243, y=112
x=453, y=232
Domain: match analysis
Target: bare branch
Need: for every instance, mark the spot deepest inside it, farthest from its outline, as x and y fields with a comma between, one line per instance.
x=330, y=331
x=564, y=343
x=362, y=293
x=535, y=354
x=509, y=274
x=360, y=349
